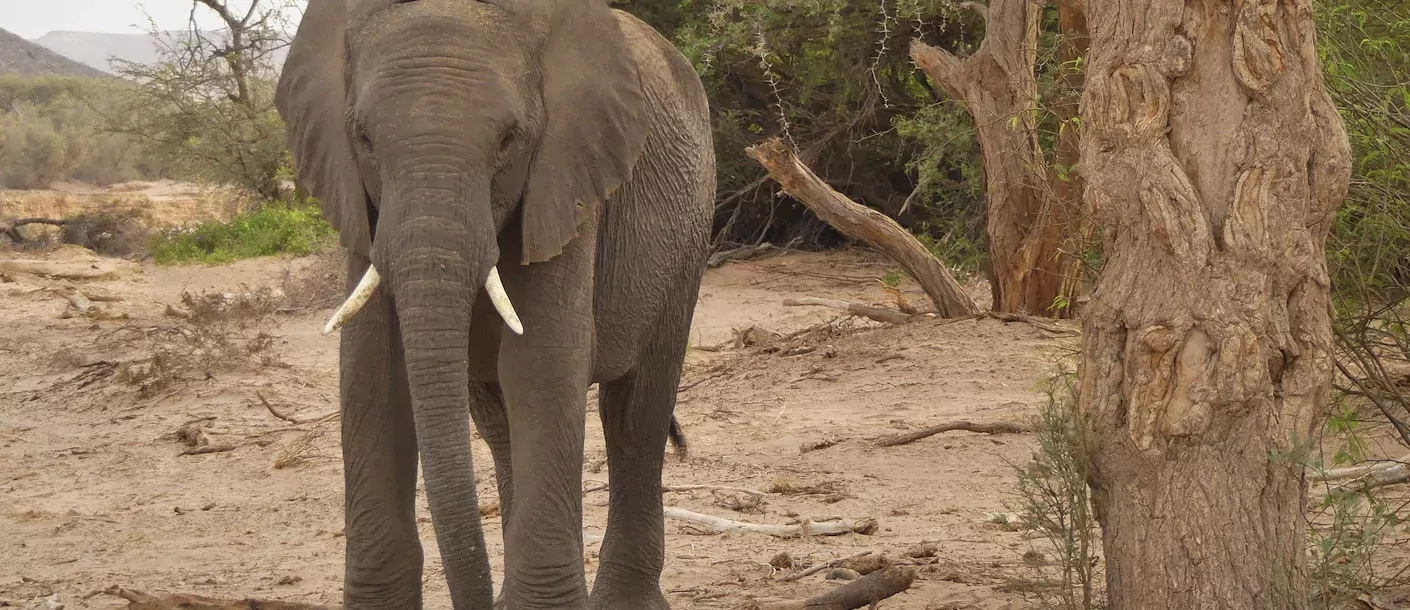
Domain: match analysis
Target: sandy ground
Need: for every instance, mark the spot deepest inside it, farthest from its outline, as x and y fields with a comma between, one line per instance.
x=164, y=202
x=94, y=490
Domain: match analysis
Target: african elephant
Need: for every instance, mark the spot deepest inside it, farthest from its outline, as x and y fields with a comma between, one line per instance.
x=558, y=154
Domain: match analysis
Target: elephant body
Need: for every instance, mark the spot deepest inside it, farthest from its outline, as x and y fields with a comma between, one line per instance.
x=558, y=153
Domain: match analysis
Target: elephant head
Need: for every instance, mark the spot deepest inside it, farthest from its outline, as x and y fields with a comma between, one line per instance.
x=428, y=127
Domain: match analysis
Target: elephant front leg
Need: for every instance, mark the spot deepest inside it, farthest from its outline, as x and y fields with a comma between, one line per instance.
x=487, y=409
x=384, y=556
x=544, y=375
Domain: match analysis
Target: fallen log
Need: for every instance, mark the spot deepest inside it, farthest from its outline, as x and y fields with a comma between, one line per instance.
x=880, y=314
x=860, y=222
x=911, y=437
x=865, y=591
x=720, y=525
x=137, y=600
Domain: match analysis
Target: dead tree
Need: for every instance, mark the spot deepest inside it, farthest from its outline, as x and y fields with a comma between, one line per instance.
x=1215, y=163
x=860, y=222
x=1027, y=213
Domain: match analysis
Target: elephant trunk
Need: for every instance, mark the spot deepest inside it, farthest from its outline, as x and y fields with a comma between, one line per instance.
x=437, y=256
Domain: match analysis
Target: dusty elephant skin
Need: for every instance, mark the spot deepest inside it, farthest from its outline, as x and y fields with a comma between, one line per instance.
x=557, y=145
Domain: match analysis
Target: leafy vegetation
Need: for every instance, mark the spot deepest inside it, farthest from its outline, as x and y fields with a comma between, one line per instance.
x=51, y=129
x=277, y=228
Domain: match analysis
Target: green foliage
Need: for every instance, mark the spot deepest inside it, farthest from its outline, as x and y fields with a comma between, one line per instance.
x=1055, y=504
x=277, y=228
x=207, y=106
x=50, y=130
x=834, y=77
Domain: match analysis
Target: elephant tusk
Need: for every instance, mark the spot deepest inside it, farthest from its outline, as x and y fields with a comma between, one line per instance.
x=356, y=300
x=501, y=302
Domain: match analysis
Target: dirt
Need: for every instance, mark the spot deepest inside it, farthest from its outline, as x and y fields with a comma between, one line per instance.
x=95, y=491
x=164, y=202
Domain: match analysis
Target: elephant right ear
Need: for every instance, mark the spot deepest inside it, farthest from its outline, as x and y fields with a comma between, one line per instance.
x=312, y=98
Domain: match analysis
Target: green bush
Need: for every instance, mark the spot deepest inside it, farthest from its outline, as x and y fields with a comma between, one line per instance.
x=52, y=128
x=277, y=228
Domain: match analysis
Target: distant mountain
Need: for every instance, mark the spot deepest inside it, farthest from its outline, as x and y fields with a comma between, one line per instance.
x=20, y=56
x=97, y=49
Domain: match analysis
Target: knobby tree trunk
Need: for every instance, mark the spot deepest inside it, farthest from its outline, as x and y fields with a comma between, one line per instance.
x=1026, y=221
x=1215, y=163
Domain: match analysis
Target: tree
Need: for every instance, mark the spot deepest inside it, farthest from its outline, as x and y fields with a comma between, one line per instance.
x=1215, y=163
x=1031, y=203
x=208, y=105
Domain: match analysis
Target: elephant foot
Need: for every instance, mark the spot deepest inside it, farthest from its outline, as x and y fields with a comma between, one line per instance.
x=636, y=601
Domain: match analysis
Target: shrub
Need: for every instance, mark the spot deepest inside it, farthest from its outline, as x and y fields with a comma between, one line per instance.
x=277, y=228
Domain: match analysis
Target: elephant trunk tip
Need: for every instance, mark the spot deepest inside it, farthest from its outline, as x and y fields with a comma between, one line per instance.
x=370, y=280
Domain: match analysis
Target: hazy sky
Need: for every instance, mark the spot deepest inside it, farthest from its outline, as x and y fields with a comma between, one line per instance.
x=34, y=18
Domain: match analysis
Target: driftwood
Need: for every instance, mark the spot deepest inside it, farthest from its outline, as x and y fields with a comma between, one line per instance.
x=860, y=222
x=1352, y=472
x=880, y=314
x=801, y=574
x=862, y=592
x=69, y=270
x=12, y=229
x=911, y=437
x=138, y=600
x=721, y=525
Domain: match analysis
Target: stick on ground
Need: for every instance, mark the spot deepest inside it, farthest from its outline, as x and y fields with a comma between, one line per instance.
x=860, y=222
x=801, y=574
x=137, y=600
x=880, y=314
x=817, y=528
x=911, y=437
x=864, y=591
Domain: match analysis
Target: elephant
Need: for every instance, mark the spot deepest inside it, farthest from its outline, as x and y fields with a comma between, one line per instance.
x=524, y=189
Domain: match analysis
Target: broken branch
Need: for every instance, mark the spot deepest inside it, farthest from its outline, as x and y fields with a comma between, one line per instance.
x=911, y=437
x=865, y=591
x=291, y=419
x=138, y=600
x=860, y=222
x=880, y=314
x=721, y=525
x=801, y=574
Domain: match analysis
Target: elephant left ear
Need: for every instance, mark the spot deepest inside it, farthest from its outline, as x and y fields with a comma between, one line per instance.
x=594, y=125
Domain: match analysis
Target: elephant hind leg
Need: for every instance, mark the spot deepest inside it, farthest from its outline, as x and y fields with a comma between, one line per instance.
x=637, y=413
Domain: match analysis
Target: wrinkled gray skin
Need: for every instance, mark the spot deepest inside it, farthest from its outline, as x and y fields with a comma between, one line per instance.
x=569, y=145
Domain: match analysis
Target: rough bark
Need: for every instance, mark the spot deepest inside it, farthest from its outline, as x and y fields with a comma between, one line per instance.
x=860, y=222
x=999, y=87
x=1215, y=164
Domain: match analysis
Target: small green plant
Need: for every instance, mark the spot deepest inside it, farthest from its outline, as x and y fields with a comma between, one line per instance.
x=277, y=228
x=892, y=278
x=1055, y=503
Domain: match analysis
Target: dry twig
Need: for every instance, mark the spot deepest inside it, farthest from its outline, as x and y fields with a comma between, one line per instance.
x=801, y=574
x=911, y=437
x=880, y=314
x=138, y=600
x=721, y=525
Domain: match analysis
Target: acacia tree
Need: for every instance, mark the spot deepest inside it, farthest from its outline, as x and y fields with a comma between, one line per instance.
x=1215, y=163
x=207, y=106
x=1031, y=203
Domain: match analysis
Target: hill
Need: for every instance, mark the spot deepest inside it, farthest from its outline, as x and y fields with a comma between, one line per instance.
x=20, y=56
x=97, y=49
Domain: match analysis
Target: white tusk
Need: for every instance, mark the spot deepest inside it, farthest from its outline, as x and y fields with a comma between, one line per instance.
x=356, y=300
x=501, y=302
